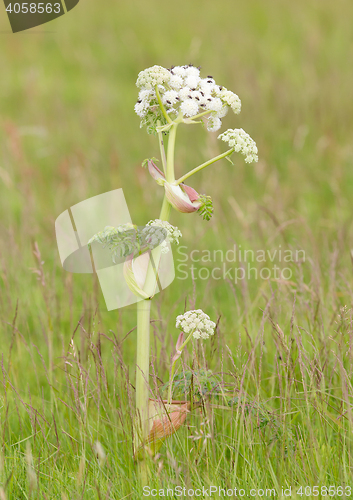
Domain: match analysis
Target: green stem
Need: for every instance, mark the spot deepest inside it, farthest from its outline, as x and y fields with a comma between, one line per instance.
x=143, y=350
x=172, y=371
x=165, y=114
x=190, y=120
x=161, y=148
x=142, y=361
x=165, y=210
x=170, y=154
x=203, y=165
x=169, y=397
x=144, y=306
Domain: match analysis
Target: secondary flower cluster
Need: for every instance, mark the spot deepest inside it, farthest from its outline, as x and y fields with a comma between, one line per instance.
x=182, y=91
x=241, y=142
x=128, y=239
x=121, y=240
x=158, y=232
x=196, y=322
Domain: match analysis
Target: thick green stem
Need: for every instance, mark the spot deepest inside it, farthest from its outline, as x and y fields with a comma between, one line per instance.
x=170, y=154
x=142, y=362
x=144, y=307
x=161, y=148
x=165, y=210
x=143, y=350
x=204, y=165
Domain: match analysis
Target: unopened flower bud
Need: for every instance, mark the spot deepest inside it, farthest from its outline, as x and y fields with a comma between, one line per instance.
x=135, y=271
x=182, y=197
x=179, y=343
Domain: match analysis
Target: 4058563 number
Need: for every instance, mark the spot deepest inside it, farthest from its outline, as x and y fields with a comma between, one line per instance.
x=324, y=491
x=34, y=8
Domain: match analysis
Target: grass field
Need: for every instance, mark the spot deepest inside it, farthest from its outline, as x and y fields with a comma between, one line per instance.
x=284, y=347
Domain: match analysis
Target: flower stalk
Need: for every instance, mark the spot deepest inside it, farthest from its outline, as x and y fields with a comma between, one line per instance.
x=143, y=313
x=142, y=362
x=198, y=325
x=178, y=352
x=204, y=165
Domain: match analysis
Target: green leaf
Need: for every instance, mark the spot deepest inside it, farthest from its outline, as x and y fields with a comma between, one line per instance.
x=146, y=160
x=206, y=208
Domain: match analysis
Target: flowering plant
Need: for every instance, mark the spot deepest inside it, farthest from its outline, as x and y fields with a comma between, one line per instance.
x=168, y=98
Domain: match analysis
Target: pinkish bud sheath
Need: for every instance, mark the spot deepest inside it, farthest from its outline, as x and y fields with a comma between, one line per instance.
x=192, y=194
x=180, y=341
x=177, y=347
x=179, y=199
x=157, y=175
x=182, y=197
x=176, y=356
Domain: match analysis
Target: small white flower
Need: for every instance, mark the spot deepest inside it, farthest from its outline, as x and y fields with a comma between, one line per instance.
x=176, y=82
x=215, y=104
x=178, y=320
x=214, y=123
x=230, y=99
x=145, y=95
x=196, y=322
x=189, y=107
x=185, y=93
x=207, y=85
x=179, y=71
x=192, y=71
x=196, y=95
x=150, y=77
x=141, y=109
x=170, y=97
x=192, y=81
x=241, y=142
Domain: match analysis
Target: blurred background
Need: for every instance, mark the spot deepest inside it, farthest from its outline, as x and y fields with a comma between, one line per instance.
x=68, y=131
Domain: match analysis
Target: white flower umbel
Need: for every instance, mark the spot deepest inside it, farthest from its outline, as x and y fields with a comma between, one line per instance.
x=150, y=77
x=173, y=233
x=159, y=232
x=230, y=98
x=195, y=324
x=241, y=142
x=121, y=240
x=184, y=95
